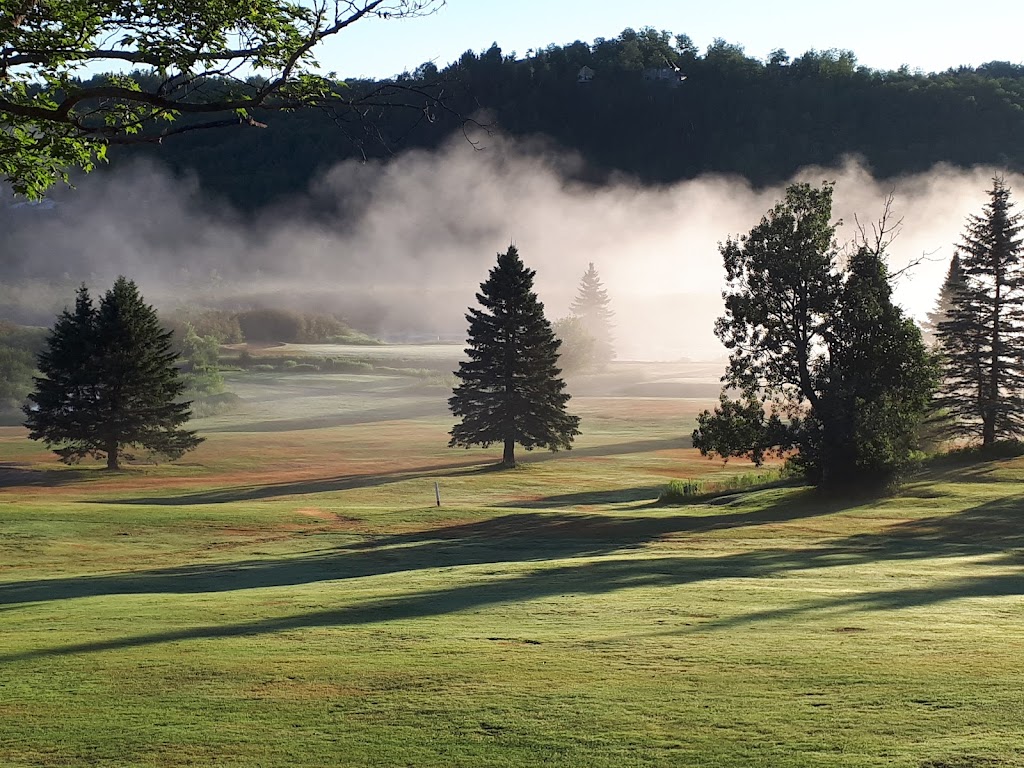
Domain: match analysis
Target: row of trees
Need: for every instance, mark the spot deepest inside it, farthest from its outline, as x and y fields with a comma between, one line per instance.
x=736, y=114
x=823, y=366
x=979, y=326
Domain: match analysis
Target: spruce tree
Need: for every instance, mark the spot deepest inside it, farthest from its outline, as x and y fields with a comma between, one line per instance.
x=511, y=391
x=109, y=383
x=953, y=283
x=981, y=340
x=591, y=306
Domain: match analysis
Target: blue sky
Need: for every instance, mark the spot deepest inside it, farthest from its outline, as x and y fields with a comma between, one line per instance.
x=931, y=36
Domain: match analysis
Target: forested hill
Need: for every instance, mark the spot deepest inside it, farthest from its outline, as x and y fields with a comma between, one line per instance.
x=655, y=108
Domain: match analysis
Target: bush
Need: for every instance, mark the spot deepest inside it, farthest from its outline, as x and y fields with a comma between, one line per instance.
x=303, y=368
x=270, y=325
x=1000, y=449
x=214, y=405
x=345, y=365
x=262, y=367
x=679, y=491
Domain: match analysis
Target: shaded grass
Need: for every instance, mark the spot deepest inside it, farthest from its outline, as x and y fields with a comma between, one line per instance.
x=293, y=597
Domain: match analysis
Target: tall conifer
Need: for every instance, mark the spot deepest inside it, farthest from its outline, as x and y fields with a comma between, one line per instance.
x=953, y=283
x=511, y=390
x=592, y=307
x=981, y=340
x=109, y=383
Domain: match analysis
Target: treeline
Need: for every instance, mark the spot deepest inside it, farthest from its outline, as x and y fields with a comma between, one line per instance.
x=266, y=324
x=652, y=106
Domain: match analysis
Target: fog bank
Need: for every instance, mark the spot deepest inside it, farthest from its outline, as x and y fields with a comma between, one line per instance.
x=400, y=248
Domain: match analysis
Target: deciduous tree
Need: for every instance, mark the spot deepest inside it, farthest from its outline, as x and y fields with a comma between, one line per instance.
x=825, y=363
x=212, y=63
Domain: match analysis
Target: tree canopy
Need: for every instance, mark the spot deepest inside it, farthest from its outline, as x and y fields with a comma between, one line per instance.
x=823, y=361
x=733, y=114
x=213, y=63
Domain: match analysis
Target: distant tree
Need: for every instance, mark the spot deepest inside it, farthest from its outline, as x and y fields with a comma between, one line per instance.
x=953, y=283
x=18, y=349
x=825, y=363
x=578, y=353
x=592, y=307
x=981, y=339
x=109, y=383
x=200, y=362
x=510, y=389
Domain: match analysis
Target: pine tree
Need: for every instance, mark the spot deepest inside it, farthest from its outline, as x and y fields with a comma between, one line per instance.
x=591, y=305
x=109, y=383
x=981, y=340
x=511, y=391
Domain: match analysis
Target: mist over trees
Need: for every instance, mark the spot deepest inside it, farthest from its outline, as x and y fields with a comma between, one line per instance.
x=593, y=308
x=510, y=389
x=733, y=114
x=824, y=362
x=980, y=332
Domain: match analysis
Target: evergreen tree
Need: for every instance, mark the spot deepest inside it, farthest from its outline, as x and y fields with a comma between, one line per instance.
x=511, y=391
x=953, y=283
x=823, y=359
x=109, y=383
x=591, y=306
x=981, y=340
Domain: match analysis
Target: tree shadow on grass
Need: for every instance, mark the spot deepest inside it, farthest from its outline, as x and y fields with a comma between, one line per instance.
x=14, y=475
x=587, y=498
x=991, y=528
x=366, y=416
x=519, y=537
x=350, y=482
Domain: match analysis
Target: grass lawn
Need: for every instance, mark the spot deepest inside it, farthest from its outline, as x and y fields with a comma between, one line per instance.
x=289, y=595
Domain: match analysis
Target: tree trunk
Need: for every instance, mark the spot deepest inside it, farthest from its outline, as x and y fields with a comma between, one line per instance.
x=113, y=452
x=988, y=428
x=509, y=458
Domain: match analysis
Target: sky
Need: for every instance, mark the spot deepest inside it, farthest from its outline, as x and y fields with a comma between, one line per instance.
x=928, y=35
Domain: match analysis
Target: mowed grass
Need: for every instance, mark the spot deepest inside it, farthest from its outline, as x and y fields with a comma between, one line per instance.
x=290, y=595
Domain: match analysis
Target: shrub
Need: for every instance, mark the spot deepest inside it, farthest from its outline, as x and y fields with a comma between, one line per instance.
x=214, y=405
x=345, y=365
x=678, y=491
x=681, y=490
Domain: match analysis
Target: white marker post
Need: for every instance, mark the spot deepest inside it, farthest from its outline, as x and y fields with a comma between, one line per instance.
x=437, y=493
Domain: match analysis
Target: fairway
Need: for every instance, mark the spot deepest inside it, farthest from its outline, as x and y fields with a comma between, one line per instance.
x=289, y=594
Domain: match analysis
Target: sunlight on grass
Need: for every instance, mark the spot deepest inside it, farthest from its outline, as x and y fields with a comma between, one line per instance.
x=295, y=597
